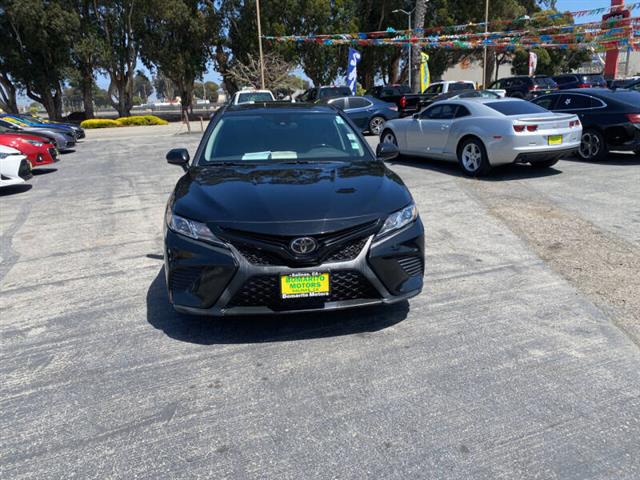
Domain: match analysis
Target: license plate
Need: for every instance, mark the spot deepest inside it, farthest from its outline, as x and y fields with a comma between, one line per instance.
x=555, y=139
x=304, y=285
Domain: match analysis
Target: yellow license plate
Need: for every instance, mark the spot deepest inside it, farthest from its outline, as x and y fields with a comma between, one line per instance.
x=555, y=139
x=304, y=285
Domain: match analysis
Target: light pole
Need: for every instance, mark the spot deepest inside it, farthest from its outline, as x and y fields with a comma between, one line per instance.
x=408, y=14
x=260, y=43
x=484, y=56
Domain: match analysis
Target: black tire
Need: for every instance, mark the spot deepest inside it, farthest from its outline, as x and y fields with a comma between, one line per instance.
x=592, y=146
x=473, y=158
x=376, y=125
x=545, y=163
x=388, y=137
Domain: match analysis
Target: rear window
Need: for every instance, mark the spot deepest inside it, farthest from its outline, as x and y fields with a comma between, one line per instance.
x=334, y=92
x=461, y=86
x=594, y=79
x=249, y=97
x=512, y=107
x=544, y=82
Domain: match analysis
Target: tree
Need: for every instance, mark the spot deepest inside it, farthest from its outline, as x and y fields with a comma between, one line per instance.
x=247, y=74
x=8, y=93
x=117, y=22
x=142, y=87
x=165, y=89
x=206, y=91
x=35, y=51
x=175, y=41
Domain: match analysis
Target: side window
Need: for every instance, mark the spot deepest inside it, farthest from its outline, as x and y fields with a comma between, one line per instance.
x=506, y=83
x=546, y=101
x=431, y=89
x=358, y=102
x=440, y=112
x=313, y=95
x=573, y=102
x=462, y=111
x=431, y=112
x=339, y=103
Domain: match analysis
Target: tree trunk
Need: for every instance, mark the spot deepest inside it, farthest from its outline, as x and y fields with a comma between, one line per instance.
x=8, y=96
x=418, y=22
x=491, y=63
x=86, y=85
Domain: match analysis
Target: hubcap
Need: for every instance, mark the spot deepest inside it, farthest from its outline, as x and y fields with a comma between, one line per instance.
x=589, y=146
x=376, y=125
x=471, y=157
x=389, y=138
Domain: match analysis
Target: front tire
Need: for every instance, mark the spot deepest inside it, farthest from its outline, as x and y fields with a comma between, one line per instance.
x=592, y=146
x=473, y=158
x=388, y=137
x=376, y=124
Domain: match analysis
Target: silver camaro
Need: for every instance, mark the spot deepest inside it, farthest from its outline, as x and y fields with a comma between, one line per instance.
x=480, y=133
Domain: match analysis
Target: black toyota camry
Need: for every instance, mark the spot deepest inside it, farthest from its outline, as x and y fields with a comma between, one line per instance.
x=283, y=208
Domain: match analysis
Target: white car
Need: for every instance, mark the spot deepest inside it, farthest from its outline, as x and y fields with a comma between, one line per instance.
x=251, y=96
x=480, y=133
x=14, y=167
x=437, y=88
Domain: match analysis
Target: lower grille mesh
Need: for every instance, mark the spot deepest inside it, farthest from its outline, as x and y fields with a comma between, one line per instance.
x=412, y=265
x=184, y=278
x=265, y=291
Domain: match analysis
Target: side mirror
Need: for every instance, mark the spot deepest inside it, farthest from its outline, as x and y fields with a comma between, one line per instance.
x=387, y=151
x=178, y=156
x=415, y=116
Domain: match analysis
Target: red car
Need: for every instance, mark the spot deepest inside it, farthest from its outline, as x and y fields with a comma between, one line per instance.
x=39, y=150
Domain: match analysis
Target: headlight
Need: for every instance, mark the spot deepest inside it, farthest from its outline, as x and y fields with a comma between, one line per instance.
x=191, y=228
x=35, y=143
x=399, y=219
x=4, y=155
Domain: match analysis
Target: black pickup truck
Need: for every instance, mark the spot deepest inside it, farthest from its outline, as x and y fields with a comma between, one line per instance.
x=408, y=103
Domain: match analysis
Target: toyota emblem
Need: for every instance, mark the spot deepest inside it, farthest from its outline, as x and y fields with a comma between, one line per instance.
x=303, y=245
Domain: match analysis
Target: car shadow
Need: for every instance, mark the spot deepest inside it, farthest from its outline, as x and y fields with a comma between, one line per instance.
x=499, y=173
x=615, y=159
x=43, y=170
x=15, y=189
x=65, y=152
x=261, y=329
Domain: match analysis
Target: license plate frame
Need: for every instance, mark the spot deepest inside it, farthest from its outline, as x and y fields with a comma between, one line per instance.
x=299, y=285
x=554, y=140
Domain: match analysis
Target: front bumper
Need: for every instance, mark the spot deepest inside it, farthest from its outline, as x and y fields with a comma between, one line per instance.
x=207, y=280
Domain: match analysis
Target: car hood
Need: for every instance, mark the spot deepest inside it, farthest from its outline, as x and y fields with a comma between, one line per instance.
x=286, y=199
x=23, y=136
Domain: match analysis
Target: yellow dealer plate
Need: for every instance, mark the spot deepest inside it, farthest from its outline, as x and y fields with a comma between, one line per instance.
x=304, y=285
x=555, y=139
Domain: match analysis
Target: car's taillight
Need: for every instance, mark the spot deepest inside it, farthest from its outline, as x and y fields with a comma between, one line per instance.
x=532, y=128
x=574, y=123
x=634, y=117
x=403, y=102
x=583, y=85
x=518, y=128
x=533, y=87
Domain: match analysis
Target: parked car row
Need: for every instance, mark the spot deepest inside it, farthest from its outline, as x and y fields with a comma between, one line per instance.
x=28, y=142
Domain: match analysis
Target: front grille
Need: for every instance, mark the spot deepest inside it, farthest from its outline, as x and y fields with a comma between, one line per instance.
x=184, y=278
x=263, y=249
x=411, y=265
x=264, y=290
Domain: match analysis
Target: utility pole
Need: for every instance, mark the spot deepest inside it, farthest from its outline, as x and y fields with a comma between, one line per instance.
x=260, y=43
x=408, y=14
x=484, y=56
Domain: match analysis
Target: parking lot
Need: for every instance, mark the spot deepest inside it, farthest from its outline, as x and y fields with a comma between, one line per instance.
x=520, y=359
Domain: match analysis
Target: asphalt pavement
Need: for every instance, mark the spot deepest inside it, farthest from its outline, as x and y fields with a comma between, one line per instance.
x=519, y=360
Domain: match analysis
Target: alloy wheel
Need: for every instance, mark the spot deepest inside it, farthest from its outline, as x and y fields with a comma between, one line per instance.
x=376, y=124
x=590, y=145
x=471, y=157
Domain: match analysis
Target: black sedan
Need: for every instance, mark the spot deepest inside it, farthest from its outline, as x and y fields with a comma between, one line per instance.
x=610, y=118
x=368, y=113
x=286, y=208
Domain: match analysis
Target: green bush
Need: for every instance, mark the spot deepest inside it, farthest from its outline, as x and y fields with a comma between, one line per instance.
x=99, y=123
x=139, y=120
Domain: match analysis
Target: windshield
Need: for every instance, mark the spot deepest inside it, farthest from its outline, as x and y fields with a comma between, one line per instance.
x=283, y=137
x=515, y=107
x=15, y=121
x=594, y=79
x=249, y=97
